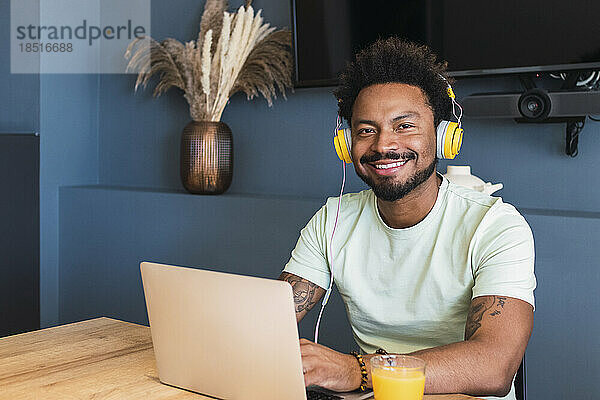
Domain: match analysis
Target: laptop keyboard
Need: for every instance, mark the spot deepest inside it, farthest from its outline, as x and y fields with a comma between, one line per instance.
x=316, y=395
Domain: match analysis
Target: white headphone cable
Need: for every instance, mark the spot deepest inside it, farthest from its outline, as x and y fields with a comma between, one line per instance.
x=337, y=214
x=459, y=117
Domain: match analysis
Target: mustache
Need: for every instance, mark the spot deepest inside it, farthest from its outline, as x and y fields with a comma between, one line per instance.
x=390, y=155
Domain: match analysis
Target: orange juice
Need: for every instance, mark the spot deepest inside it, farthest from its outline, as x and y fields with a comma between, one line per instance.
x=398, y=383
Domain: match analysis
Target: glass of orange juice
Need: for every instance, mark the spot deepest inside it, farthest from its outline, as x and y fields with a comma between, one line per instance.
x=398, y=377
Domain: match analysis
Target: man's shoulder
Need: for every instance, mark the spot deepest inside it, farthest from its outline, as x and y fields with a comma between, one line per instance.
x=482, y=209
x=470, y=198
x=350, y=206
x=350, y=201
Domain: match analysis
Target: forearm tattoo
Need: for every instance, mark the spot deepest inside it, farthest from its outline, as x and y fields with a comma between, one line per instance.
x=491, y=305
x=304, y=291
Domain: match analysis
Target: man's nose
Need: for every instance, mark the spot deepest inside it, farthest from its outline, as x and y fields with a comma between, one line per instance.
x=385, y=141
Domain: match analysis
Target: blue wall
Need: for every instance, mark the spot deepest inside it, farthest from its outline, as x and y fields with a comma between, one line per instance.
x=64, y=110
x=105, y=232
x=95, y=130
x=68, y=155
x=563, y=357
x=19, y=93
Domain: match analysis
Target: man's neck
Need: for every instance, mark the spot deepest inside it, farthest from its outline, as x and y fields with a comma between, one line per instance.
x=412, y=208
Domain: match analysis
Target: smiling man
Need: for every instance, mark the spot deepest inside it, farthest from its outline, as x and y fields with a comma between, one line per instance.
x=423, y=266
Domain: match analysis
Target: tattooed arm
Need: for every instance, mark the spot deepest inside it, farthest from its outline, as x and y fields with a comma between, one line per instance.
x=496, y=334
x=306, y=293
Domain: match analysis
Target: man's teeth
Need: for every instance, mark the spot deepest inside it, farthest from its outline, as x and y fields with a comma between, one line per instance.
x=392, y=165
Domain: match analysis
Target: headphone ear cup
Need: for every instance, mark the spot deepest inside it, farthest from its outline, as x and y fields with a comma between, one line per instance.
x=343, y=143
x=440, y=138
x=449, y=139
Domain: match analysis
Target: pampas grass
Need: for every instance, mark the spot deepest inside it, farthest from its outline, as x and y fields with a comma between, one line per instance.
x=234, y=52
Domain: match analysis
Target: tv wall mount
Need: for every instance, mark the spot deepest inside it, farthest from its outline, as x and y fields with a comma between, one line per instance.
x=577, y=99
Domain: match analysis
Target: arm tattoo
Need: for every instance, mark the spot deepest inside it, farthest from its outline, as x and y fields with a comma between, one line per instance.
x=304, y=291
x=491, y=305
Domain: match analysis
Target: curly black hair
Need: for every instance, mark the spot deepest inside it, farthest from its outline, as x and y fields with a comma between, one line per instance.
x=394, y=60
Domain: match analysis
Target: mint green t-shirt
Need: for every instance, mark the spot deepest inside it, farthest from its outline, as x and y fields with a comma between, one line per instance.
x=410, y=289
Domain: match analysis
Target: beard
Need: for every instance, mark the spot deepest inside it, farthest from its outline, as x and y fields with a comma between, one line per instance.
x=387, y=190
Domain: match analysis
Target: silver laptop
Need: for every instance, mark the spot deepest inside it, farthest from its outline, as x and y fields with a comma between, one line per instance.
x=228, y=336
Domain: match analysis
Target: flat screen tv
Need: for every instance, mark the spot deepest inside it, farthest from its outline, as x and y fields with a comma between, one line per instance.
x=476, y=37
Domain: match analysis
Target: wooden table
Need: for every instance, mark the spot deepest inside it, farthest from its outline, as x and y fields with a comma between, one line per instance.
x=101, y=358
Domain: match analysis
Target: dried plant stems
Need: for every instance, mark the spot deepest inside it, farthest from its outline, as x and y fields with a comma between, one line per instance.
x=248, y=30
x=234, y=52
x=205, y=61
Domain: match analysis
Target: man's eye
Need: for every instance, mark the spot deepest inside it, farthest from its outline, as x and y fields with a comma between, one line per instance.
x=404, y=126
x=366, y=131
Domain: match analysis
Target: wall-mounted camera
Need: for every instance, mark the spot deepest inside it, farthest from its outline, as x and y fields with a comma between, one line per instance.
x=535, y=104
x=578, y=97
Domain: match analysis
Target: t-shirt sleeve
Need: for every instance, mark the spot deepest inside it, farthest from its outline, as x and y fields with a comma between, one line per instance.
x=309, y=257
x=503, y=255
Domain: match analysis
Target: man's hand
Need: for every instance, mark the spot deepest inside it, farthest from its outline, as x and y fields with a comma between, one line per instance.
x=328, y=368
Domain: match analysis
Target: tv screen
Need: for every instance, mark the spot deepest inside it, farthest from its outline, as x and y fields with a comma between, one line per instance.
x=476, y=37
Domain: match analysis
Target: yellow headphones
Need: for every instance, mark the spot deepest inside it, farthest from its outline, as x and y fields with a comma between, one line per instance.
x=449, y=135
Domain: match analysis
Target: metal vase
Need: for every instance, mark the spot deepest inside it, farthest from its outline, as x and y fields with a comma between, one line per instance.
x=206, y=157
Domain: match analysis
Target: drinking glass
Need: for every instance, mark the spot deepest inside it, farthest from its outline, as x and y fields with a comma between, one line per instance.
x=398, y=377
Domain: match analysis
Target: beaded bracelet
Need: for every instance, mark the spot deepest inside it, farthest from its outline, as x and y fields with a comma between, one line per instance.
x=363, y=371
x=381, y=351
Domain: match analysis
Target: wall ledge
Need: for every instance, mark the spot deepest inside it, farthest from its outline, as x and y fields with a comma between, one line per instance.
x=182, y=192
